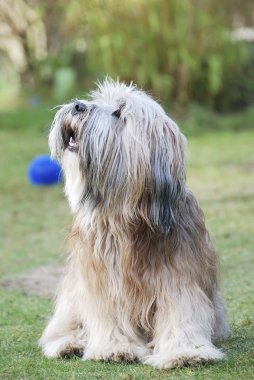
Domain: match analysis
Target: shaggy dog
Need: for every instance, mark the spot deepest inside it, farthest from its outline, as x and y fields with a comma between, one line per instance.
x=141, y=278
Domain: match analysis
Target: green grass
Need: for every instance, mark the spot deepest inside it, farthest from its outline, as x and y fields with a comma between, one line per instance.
x=33, y=226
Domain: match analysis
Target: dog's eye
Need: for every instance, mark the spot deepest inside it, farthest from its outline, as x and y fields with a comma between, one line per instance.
x=117, y=113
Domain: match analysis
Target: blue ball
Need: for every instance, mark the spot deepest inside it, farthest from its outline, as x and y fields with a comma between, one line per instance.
x=44, y=171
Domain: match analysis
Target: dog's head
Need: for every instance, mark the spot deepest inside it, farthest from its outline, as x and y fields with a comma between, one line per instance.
x=121, y=151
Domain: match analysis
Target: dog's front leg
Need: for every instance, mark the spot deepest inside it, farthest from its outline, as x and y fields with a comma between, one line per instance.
x=110, y=336
x=183, y=330
x=65, y=332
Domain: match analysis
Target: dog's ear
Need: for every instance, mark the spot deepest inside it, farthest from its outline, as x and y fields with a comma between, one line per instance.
x=167, y=183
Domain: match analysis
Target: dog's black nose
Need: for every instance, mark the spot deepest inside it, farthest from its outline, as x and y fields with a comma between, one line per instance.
x=80, y=107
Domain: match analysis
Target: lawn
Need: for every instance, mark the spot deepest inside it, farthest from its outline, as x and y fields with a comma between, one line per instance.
x=33, y=226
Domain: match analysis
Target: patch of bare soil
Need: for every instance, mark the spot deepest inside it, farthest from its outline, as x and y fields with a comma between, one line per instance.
x=42, y=281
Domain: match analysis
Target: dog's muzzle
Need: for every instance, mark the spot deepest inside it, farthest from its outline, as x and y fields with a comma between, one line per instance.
x=70, y=133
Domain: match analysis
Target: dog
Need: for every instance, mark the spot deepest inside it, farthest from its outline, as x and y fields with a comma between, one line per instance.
x=141, y=281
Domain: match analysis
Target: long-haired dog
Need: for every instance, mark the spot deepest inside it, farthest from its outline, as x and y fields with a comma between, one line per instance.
x=141, y=279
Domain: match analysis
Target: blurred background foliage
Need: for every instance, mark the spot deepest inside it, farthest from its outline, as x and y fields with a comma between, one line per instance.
x=181, y=51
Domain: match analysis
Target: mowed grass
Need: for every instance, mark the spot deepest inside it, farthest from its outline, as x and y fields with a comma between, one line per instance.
x=35, y=221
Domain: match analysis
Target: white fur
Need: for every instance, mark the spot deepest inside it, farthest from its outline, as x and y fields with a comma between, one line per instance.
x=74, y=184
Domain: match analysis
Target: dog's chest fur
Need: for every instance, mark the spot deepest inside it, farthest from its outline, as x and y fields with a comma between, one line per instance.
x=123, y=266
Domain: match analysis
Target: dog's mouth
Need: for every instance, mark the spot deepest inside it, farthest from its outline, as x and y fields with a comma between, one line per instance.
x=70, y=139
x=73, y=143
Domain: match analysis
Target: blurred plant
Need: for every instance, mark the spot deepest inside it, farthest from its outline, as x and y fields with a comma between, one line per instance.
x=23, y=34
x=32, y=35
x=237, y=91
x=180, y=50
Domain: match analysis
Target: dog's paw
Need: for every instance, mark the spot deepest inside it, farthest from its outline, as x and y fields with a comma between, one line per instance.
x=62, y=348
x=117, y=357
x=123, y=357
x=117, y=353
x=185, y=357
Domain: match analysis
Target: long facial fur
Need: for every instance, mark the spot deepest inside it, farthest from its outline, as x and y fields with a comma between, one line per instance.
x=134, y=161
x=139, y=242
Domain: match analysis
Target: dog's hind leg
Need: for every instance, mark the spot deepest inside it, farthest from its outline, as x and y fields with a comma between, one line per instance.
x=183, y=331
x=221, y=328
